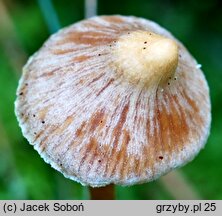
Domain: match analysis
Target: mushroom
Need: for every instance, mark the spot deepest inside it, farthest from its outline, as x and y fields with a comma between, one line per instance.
x=114, y=100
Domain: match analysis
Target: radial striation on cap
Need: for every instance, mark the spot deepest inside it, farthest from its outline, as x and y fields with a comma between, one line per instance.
x=114, y=99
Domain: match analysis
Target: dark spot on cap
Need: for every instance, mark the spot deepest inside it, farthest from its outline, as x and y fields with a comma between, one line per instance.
x=128, y=33
x=99, y=161
x=179, y=55
x=150, y=33
x=99, y=54
x=161, y=157
x=35, y=133
x=101, y=121
x=21, y=93
x=168, y=83
x=175, y=78
x=145, y=42
x=43, y=122
x=144, y=47
x=26, y=84
x=33, y=115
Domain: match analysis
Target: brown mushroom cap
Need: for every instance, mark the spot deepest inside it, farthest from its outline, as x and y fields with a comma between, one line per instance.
x=101, y=114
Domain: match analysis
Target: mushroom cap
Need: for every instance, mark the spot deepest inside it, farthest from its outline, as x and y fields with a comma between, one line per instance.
x=85, y=118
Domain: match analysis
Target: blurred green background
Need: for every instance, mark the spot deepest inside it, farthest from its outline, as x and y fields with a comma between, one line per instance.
x=26, y=24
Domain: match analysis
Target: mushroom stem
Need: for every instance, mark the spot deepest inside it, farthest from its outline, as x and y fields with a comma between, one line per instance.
x=102, y=193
